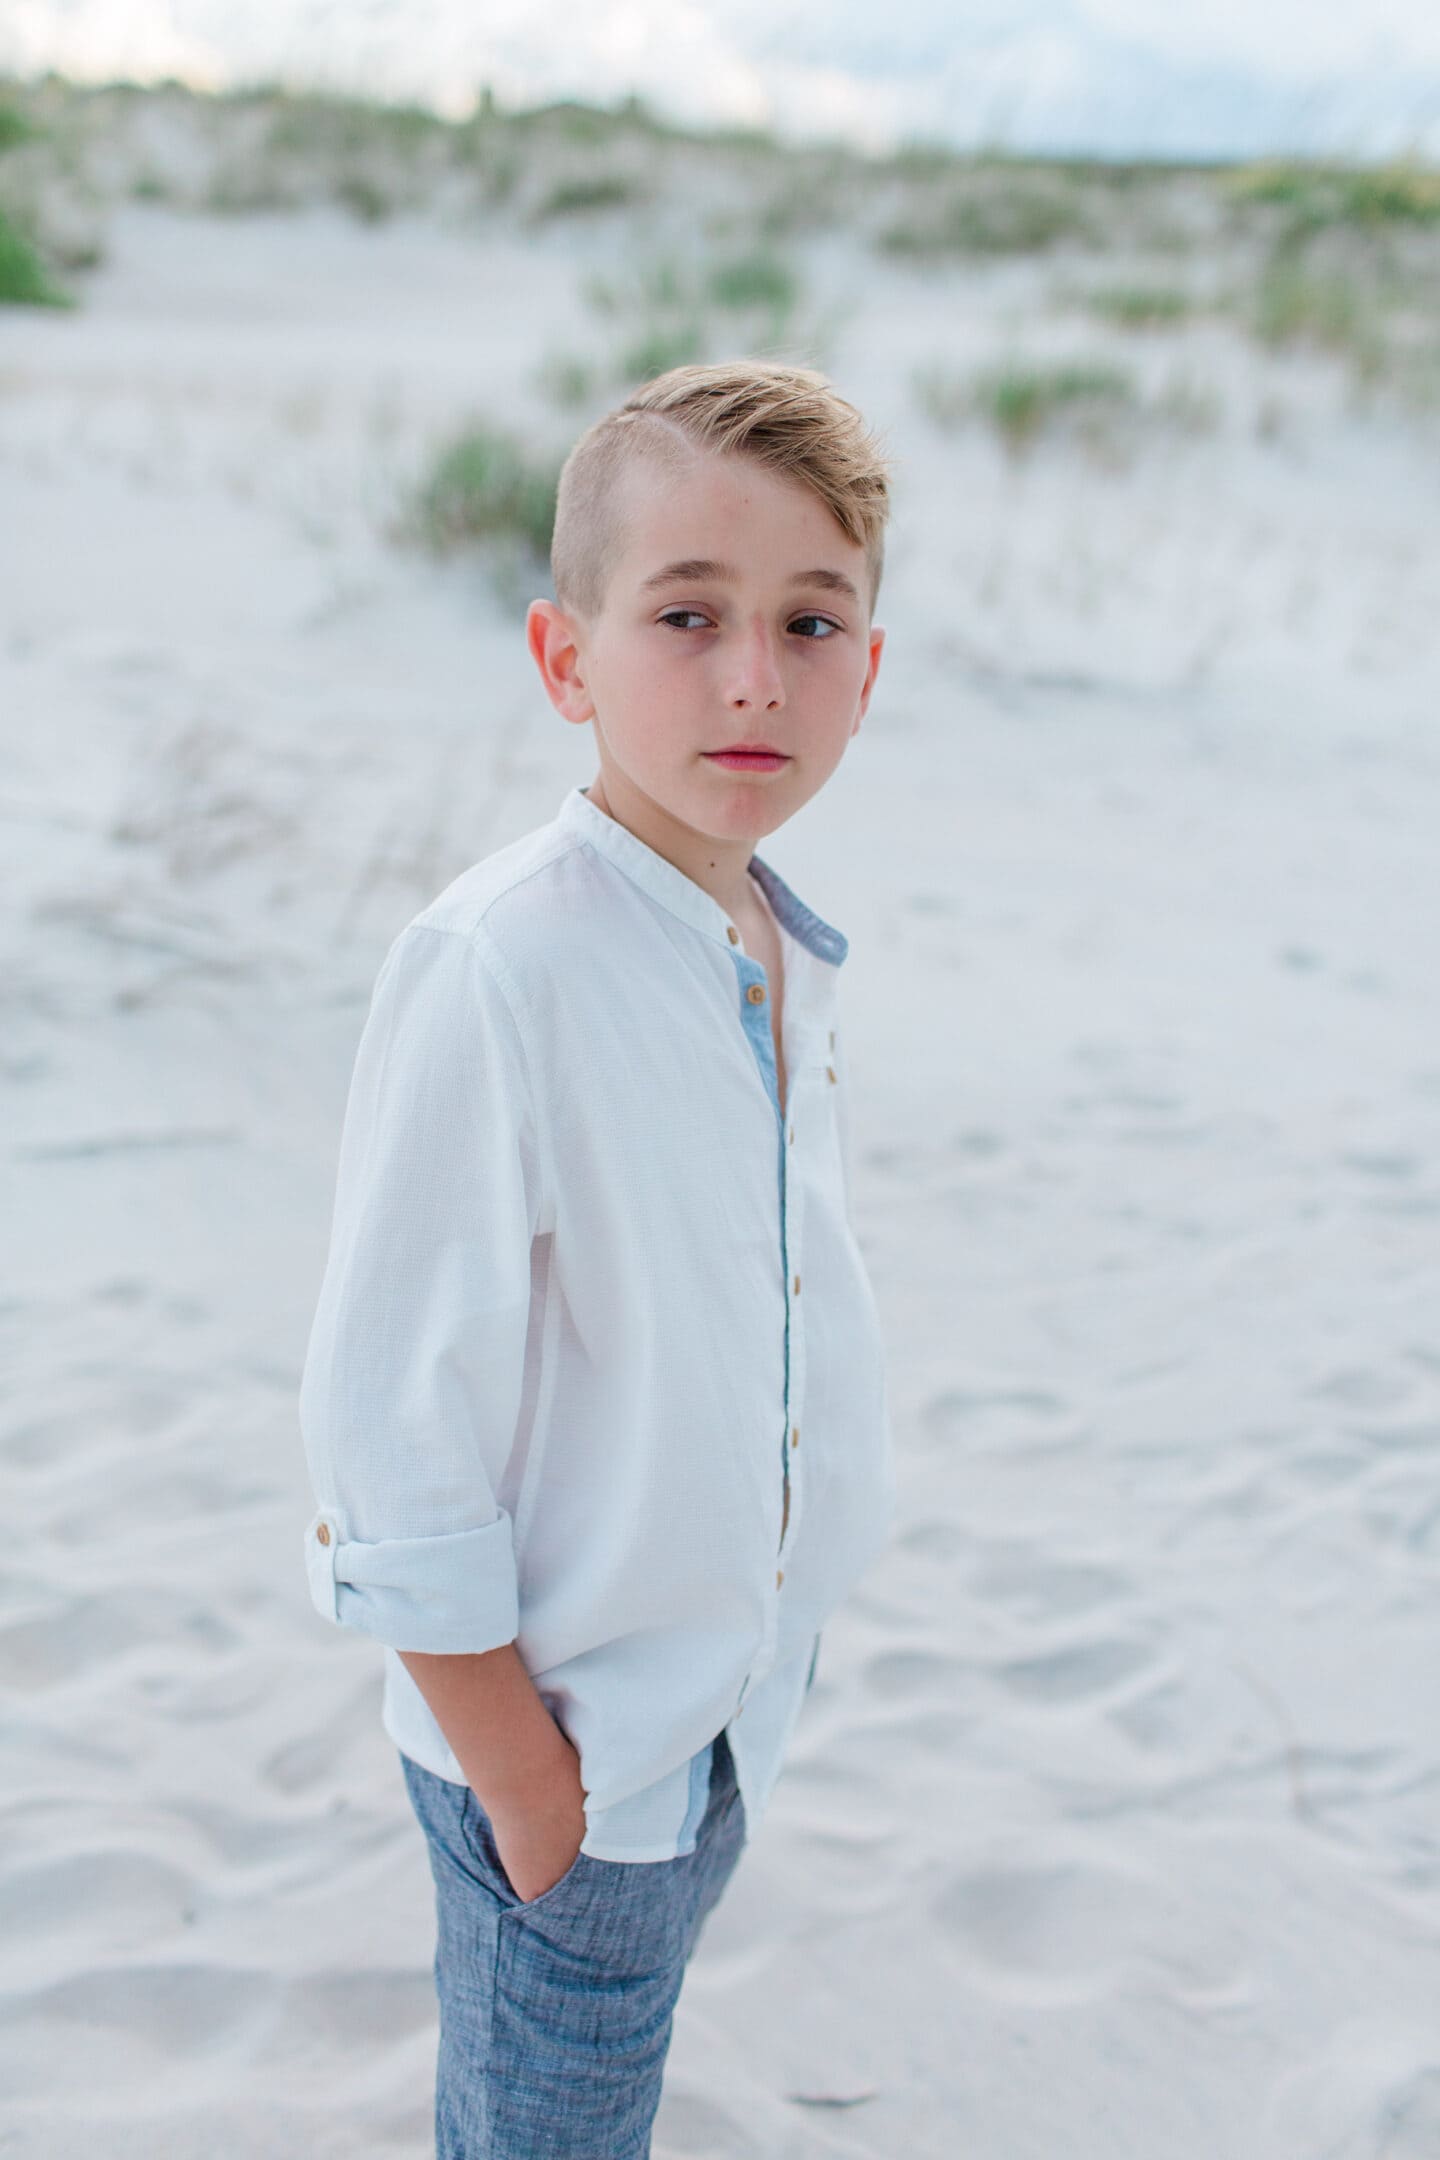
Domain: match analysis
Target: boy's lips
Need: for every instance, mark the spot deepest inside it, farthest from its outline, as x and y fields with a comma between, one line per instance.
x=749, y=757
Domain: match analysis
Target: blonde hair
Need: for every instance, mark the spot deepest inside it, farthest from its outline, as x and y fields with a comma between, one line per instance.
x=788, y=419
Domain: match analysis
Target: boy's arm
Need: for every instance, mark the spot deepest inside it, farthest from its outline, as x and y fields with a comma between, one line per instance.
x=413, y=1378
x=512, y=1751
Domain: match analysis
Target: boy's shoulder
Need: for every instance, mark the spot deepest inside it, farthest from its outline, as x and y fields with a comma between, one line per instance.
x=527, y=905
x=475, y=900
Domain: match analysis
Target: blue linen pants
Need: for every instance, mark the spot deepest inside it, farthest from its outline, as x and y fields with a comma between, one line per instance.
x=556, y=2015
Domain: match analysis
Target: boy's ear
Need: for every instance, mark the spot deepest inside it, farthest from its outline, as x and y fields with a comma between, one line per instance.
x=877, y=643
x=551, y=636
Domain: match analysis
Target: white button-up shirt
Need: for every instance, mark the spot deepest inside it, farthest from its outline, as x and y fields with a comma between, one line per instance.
x=593, y=1306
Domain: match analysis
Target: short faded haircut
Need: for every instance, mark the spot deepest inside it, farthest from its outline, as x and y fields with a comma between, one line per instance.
x=787, y=419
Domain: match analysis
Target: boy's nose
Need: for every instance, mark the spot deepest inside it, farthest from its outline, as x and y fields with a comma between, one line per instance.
x=756, y=677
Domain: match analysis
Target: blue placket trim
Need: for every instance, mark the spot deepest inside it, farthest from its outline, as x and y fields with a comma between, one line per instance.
x=829, y=944
x=756, y=1021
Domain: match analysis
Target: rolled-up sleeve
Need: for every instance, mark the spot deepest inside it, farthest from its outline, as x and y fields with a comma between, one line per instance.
x=414, y=1375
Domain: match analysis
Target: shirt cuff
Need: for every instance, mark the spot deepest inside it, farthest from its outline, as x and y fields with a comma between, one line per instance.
x=451, y=1594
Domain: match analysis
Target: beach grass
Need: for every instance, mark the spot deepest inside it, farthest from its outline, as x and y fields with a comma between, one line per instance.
x=1087, y=396
x=24, y=279
x=1021, y=399
x=1317, y=196
x=1306, y=256
x=665, y=309
x=660, y=346
x=1010, y=213
x=1140, y=307
x=759, y=280
x=565, y=380
x=582, y=193
x=15, y=125
x=482, y=485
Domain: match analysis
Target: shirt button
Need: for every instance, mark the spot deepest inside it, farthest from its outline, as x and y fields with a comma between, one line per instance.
x=779, y=1576
x=831, y=1071
x=794, y=1436
x=832, y=1038
x=756, y=993
x=792, y=1132
x=732, y=933
x=322, y=1533
x=797, y=1286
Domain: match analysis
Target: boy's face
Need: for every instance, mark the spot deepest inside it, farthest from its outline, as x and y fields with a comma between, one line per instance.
x=677, y=667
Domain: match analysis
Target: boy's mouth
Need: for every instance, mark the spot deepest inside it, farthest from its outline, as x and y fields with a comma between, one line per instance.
x=756, y=757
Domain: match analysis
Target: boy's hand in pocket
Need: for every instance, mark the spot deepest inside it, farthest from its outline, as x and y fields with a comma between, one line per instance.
x=537, y=1846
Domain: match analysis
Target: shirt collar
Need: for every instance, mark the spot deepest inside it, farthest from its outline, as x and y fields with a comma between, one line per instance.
x=683, y=897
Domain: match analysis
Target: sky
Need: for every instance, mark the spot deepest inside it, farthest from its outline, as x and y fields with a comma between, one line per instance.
x=1226, y=78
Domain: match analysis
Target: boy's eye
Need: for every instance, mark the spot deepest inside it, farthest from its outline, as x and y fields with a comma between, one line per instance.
x=677, y=616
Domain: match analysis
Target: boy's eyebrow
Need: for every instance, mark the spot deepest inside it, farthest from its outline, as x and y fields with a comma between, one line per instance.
x=697, y=569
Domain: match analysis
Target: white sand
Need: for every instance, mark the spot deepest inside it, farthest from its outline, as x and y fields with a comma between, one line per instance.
x=1111, y=1826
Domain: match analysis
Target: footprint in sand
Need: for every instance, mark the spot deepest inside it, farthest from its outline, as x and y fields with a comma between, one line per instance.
x=1033, y=1587
x=1064, y=1921
x=1362, y=1387
x=1077, y=1674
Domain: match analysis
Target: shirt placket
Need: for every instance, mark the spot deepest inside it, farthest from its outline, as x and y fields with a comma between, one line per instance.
x=755, y=1015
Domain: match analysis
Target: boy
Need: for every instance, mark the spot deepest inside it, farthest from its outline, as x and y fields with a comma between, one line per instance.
x=594, y=1405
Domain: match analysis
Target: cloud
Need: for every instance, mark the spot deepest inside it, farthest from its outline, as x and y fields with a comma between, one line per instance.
x=1122, y=77
x=1288, y=40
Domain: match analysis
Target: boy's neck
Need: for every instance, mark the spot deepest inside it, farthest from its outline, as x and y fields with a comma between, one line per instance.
x=720, y=868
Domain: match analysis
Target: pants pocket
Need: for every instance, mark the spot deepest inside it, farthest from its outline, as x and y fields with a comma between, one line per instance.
x=479, y=1834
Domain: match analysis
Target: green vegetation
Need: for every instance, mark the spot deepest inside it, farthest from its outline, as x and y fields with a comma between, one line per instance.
x=15, y=125
x=272, y=145
x=593, y=191
x=322, y=123
x=810, y=191
x=483, y=486
x=565, y=380
x=1318, y=196
x=1190, y=407
x=366, y=200
x=1349, y=267
x=1140, y=307
x=660, y=347
x=1337, y=258
x=662, y=310
x=663, y=307
x=24, y=280
x=1294, y=305
x=1020, y=399
x=753, y=281
x=243, y=190
x=1009, y=213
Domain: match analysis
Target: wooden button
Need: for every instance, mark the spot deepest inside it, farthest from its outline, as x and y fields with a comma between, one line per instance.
x=792, y=1132
x=732, y=933
x=797, y=1286
x=779, y=1576
x=831, y=1071
x=756, y=995
x=322, y=1533
x=794, y=1436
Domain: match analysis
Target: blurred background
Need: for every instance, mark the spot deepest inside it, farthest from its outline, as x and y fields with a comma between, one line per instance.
x=1111, y=1824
